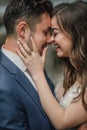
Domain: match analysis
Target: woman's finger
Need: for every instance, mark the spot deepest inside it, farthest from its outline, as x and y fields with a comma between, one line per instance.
x=44, y=54
x=20, y=54
x=25, y=46
x=22, y=50
x=34, y=45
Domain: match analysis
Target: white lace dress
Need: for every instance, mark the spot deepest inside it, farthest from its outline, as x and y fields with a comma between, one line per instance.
x=66, y=100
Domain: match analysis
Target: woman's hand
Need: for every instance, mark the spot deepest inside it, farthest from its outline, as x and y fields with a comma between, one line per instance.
x=32, y=59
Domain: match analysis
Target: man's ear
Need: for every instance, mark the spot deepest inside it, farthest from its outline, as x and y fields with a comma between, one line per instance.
x=22, y=29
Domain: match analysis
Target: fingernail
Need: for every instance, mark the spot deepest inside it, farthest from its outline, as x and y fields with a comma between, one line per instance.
x=18, y=42
x=31, y=38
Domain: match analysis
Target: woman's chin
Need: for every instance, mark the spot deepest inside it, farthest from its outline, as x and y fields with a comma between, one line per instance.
x=60, y=54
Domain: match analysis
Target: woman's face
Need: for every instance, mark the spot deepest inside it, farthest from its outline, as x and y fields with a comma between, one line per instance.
x=62, y=40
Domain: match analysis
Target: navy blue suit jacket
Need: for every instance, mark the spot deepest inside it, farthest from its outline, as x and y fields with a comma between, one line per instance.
x=20, y=107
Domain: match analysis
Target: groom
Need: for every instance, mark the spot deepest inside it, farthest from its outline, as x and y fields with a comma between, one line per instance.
x=20, y=107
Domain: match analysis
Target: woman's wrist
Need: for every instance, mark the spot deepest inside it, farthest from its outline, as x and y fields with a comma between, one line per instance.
x=38, y=75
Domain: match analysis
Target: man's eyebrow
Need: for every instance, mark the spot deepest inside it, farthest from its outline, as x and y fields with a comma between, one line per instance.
x=47, y=29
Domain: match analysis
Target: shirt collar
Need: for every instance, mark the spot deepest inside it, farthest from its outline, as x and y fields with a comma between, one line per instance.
x=15, y=59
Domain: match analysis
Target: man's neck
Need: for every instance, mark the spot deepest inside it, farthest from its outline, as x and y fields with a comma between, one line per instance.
x=11, y=44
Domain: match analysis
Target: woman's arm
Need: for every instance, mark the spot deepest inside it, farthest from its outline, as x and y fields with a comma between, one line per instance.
x=72, y=116
x=61, y=119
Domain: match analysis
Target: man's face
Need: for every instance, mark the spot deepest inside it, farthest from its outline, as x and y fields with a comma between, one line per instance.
x=41, y=35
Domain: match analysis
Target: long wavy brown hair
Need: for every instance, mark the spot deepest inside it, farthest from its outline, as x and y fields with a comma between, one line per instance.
x=72, y=18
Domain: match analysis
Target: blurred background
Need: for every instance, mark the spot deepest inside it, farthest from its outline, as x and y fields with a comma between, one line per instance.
x=54, y=66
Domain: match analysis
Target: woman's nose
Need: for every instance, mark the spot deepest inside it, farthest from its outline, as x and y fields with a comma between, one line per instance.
x=51, y=39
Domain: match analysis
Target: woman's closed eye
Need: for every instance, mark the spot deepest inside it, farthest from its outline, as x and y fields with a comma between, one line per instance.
x=55, y=34
x=55, y=31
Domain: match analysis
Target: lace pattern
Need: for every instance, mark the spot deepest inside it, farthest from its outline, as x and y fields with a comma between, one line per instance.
x=71, y=94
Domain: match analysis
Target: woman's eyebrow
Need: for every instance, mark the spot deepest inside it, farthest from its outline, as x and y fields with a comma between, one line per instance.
x=52, y=30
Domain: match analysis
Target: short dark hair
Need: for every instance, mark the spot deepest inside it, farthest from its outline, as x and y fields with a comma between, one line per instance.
x=27, y=10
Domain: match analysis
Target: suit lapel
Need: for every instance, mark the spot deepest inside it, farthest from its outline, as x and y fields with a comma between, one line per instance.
x=29, y=89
